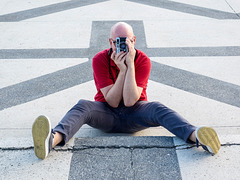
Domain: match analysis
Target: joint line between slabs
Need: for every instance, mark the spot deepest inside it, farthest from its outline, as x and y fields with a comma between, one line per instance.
x=73, y=149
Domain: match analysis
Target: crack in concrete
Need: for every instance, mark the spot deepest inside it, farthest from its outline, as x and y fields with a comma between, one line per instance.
x=131, y=148
x=131, y=162
x=16, y=148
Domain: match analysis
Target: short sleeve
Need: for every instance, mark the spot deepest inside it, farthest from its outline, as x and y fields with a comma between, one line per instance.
x=101, y=71
x=142, y=70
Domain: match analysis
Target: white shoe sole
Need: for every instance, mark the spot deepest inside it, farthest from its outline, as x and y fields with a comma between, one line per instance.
x=41, y=131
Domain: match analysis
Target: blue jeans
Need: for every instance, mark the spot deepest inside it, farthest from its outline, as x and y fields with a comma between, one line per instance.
x=122, y=119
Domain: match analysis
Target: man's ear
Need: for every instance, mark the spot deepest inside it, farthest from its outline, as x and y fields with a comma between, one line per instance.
x=110, y=41
x=134, y=39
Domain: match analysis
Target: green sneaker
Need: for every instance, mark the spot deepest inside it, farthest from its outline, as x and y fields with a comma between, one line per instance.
x=208, y=139
x=42, y=137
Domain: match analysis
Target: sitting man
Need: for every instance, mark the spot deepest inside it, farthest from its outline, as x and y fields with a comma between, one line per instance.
x=120, y=104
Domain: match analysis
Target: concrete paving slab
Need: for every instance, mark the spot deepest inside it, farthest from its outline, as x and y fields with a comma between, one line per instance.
x=189, y=9
x=155, y=164
x=33, y=35
x=195, y=164
x=196, y=109
x=23, y=164
x=235, y=5
x=87, y=131
x=47, y=106
x=124, y=158
x=15, y=139
x=207, y=66
x=44, y=85
x=195, y=83
x=11, y=6
x=14, y=71
x=123, y=141
x=16, y=130
x=45, y=10
x=101, y=164
x=221, y=5
x=204, y=33
x=103, y=11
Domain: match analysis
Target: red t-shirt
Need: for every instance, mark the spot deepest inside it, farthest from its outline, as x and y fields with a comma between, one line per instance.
x=103, y=78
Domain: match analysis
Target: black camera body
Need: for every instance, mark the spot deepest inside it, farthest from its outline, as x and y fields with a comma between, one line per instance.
x=121, y=44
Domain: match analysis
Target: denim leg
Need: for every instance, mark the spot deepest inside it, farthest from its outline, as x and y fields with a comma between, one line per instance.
x=152, y=114
x=95, y=114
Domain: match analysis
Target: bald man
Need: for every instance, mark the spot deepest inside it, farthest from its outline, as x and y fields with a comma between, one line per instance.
x=121, y=104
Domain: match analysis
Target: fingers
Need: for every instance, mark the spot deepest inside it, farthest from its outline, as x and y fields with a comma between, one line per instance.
x=129, y=44
x=113, y=55
x=131, y=53
x=118, y=57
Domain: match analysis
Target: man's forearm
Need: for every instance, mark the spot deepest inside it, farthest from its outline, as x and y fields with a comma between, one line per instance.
x=130, y=89
x=115, y=94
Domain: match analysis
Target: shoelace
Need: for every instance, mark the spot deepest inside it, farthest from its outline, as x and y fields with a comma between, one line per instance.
x=203, y=146
x=197, y=143
x=51, y=140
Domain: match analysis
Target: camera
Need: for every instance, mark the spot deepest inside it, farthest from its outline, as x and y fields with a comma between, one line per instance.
x=121, y=44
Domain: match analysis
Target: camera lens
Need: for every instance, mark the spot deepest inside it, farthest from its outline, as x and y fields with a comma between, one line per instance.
x=123, y=46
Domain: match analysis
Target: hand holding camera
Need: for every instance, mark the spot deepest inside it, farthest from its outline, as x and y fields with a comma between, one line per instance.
x=124, y=51
x=119, y=59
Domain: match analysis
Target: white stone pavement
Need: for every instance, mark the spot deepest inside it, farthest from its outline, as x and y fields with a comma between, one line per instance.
x=164, y=28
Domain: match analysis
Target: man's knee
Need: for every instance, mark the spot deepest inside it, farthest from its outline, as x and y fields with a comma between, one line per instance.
x=82, y=104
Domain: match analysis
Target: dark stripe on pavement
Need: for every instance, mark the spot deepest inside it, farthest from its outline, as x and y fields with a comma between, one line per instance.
x=124, y=157
x=197, y=84
x=44, y=85
x=46, y=10
x=189, y=9
x=90, y=52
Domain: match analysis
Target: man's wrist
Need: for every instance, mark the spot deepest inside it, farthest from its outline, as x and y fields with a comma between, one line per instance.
x=122, y=73
x=130, y=66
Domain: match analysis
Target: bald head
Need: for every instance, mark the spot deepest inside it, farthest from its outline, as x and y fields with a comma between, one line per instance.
x=121, y=29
